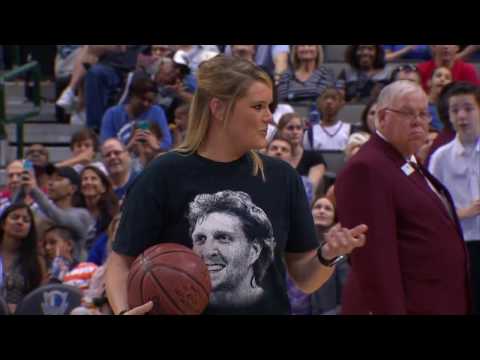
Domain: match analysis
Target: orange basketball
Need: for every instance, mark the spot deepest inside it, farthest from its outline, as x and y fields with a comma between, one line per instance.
x=173, y=277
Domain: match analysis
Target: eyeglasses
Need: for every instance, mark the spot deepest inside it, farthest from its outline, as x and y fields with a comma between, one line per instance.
x=410, y=115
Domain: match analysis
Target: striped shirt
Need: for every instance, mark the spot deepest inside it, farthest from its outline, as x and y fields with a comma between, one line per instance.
x=291, y=89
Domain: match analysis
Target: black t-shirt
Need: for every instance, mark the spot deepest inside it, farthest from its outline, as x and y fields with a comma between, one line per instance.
x=241, y=226
x=309, y=159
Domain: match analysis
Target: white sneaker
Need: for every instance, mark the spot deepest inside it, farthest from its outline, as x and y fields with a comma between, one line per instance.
x=79, y=118
x=67, y=99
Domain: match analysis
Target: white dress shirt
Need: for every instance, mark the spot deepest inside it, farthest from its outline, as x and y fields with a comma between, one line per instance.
x=458, y=168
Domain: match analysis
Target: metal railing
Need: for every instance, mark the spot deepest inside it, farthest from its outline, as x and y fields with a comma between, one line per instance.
x=33, y=70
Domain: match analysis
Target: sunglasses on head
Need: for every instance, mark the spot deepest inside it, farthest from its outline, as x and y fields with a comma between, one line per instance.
x=406, y=68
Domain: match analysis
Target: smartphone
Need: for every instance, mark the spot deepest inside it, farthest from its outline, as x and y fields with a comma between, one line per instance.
x=144, y=125
x=28, y=166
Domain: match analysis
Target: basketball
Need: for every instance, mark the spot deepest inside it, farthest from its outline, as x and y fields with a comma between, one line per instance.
x=173, y=277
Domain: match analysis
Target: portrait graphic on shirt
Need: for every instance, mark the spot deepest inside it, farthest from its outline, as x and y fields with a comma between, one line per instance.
x=234, y=237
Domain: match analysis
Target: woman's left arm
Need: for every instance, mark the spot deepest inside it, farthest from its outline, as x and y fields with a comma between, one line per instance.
x=315, y=175
x=306, y=270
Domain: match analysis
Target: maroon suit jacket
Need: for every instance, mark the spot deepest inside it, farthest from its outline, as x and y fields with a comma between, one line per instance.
x=415, y=260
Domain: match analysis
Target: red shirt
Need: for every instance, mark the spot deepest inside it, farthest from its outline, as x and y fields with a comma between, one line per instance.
x=461, y=71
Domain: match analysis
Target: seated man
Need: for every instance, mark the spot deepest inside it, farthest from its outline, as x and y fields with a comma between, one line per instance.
x=126, y=121
x=118, y=162
x=103, y=78
x=174, y=86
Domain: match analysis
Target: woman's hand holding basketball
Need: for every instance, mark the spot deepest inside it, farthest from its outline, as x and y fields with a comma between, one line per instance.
x=141, y=310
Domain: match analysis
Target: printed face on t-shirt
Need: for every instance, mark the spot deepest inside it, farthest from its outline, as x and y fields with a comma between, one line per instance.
x=219, y=239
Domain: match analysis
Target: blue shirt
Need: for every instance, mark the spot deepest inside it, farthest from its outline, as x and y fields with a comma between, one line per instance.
x=98, y=252
x=421, y=52
x=436, y=122
x=118, y=124
x=122, y=191
x=458, y=168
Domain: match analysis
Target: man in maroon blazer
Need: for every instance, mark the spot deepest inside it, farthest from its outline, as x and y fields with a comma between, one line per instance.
x=415, y=260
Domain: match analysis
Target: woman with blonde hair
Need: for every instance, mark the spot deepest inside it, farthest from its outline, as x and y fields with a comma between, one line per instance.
x=228, y=123
x=306, y=78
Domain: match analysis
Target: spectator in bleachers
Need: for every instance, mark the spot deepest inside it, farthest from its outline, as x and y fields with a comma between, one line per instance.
x=39, y=156
x=97, y=196
x=272, y=58
x=145, y=146
x=62, y=264
x=69, y=67
x=309, y=164
x=282, y=148
x=442, y=76
x=326, y=300
x=23, y=269
x=367, y=74
x=406, y=72
x=122, y=121
x=457, y=166
x=445, y=56
x=14, y=193
x=118, y=162
x=174, y=86
x=180, y=126
x=163, y=51
x=331, y=133
x=105, y=77
x=368, y=117
x=246, y=52
x=306, y=80
x=194, y=55
x=84, y=146
x=58, y=206
x=407, y=52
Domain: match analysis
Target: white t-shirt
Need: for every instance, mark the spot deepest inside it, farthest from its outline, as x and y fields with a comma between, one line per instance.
x=329, y=137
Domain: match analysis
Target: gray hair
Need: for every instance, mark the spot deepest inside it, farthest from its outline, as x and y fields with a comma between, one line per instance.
x=394, y=91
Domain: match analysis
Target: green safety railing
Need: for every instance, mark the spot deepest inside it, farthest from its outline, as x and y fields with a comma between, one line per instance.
x=35, y=76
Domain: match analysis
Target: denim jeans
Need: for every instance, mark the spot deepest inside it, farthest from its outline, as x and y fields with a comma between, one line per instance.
x=100, y=82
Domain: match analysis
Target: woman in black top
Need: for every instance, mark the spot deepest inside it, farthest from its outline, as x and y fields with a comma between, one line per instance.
x=308, y=163
x=245, y=214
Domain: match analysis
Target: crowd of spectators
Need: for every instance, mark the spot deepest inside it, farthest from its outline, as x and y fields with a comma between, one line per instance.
x=57, y=221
